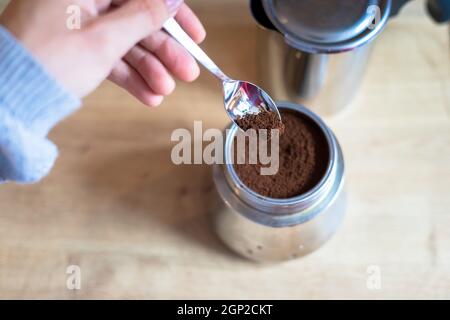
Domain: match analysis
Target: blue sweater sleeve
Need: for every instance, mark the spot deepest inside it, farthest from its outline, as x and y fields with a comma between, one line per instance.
x=31, y=104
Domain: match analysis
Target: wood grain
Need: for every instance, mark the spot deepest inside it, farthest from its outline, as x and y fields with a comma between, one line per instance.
x=138, y=225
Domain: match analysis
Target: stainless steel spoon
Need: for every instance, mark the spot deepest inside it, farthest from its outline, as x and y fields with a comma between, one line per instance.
x=240, y=97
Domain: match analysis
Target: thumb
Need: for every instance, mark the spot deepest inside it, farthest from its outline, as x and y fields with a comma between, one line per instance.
x=133, y=21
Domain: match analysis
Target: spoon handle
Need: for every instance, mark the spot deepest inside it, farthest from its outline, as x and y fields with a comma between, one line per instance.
x=174, y=29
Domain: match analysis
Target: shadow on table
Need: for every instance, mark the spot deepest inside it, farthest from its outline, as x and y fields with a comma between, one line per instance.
x=154, y=193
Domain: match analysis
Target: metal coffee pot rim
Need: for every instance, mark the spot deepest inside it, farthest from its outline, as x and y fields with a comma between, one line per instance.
x=282, y=212
x=324, y=26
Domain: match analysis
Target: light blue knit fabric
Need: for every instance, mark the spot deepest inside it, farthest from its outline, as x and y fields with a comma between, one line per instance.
x=31, y=104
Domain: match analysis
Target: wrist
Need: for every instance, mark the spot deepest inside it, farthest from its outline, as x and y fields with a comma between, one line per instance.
x=28, y=91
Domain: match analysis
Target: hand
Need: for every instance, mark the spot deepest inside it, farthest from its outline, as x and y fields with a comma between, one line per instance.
x=119, y=39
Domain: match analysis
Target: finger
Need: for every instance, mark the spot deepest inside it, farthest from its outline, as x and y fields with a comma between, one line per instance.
x=190, y=23
x=102, y=5
x=174, y=57
x=151, y=69
x=123, y=27
x=185, y=17
x=126, y=77
x=119, y=2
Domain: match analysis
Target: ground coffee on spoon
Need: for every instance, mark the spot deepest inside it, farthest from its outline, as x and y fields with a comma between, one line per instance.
x=264, y=120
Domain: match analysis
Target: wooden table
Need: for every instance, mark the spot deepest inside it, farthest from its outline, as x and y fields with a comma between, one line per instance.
x=137, y=225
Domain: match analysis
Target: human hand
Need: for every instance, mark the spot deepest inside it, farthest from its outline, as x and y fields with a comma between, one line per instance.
x=120, y=40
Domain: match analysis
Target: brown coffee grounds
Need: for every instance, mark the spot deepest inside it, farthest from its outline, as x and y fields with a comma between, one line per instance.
x=303, y=159
x=264, y=120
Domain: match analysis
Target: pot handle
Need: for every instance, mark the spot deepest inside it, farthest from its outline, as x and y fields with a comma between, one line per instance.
x=439, y=10
x=260, y=15
x=397, y=5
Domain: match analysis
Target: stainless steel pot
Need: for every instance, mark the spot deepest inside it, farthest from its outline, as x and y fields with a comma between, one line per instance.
x=268, y=229
x=320, y=51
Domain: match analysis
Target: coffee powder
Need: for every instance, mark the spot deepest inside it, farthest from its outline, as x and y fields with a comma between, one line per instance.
x=264, y=120
x=303, y=159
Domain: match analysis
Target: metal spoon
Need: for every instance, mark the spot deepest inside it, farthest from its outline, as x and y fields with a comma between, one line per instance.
x=240, y=97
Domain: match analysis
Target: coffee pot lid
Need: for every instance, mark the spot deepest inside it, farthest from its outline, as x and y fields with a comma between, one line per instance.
x=327, y=26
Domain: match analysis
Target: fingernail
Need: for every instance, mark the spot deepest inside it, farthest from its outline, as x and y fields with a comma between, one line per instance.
x=173, y=5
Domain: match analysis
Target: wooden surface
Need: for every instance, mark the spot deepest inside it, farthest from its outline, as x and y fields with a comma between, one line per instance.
x=137, y=225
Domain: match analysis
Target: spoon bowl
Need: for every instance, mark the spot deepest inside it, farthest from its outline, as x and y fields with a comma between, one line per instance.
x=240, y=97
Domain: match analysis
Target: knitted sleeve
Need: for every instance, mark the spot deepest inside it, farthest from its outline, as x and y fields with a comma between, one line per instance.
x=31, y=104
